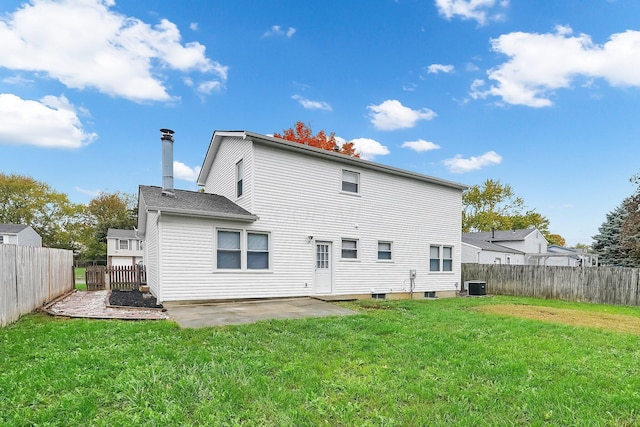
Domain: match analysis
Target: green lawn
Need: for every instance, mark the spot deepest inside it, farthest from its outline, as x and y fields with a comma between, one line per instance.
x=80, y=278
x=400, y=363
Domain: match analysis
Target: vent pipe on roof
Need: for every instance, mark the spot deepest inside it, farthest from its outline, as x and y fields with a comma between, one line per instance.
x=167, y=162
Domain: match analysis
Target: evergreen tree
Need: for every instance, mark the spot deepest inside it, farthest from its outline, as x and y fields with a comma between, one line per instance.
x=609, y=242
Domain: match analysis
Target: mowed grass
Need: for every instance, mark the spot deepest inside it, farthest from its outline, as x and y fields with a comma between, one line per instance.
x=397, y=363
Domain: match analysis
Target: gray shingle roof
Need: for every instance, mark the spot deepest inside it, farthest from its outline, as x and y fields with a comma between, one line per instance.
x=193, y=203
x=500, y=235
x=12, y=228
x=117, y=233
x=488, y=246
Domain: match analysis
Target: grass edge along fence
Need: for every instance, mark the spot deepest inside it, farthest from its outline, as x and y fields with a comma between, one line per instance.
x=598, y=285
x=31, y=277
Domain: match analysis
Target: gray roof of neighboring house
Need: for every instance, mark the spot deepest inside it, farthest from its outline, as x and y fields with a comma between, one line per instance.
x=117, y=233
x=193, y=203
x=501, y=235
x=312, y=151
x=488, y=246
x=12, y=228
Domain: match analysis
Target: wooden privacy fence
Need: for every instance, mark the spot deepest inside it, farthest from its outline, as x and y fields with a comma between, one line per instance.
x=31, y=277
x=116, y=277
x=599, y=285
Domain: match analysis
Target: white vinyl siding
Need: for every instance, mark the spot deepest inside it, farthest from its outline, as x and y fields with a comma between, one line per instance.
x=223, y=179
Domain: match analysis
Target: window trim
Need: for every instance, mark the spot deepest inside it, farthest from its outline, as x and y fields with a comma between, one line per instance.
x=441, y=259
x=356, y=250
x=1, y=240
x=390, y=251
x=239, y=178
x=358, y=183
x=120, y=248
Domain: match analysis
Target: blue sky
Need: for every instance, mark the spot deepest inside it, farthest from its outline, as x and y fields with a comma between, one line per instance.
x=542, y=95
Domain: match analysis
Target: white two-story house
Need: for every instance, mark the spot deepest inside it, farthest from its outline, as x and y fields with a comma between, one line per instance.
x=124, y=248
x=283, y=219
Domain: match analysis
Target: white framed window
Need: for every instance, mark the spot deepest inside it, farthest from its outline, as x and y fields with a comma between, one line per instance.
x=385, y=251
x=257, y=251
x=349, y=249
x=239, y=178
x=440, y=258
x=350, y=181
x=1, y=240
x=229, y=251
x=123, y=245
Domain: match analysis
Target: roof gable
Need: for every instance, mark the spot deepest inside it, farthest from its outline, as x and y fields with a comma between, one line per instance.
x=488, y=246
x=117, y=233
x=219, y=136
x=12, y=228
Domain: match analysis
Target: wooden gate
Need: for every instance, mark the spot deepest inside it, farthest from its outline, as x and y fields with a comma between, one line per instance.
x=95, y=277
x=127, y=277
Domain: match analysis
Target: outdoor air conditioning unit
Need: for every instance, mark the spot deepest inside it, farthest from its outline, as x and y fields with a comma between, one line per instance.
x=476, y=287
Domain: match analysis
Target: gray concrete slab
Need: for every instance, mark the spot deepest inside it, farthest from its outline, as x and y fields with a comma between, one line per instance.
x=236, y=313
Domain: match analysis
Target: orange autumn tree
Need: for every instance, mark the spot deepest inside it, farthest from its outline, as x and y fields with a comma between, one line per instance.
x=304, y=135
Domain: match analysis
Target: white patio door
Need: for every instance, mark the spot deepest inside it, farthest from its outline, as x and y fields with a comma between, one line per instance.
x=323, y=274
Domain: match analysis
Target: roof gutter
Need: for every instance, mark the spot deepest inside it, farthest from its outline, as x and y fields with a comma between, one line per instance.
x=200, y=214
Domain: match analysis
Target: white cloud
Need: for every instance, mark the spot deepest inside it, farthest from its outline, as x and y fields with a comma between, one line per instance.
x=458, y=164
x=276, y=30
x=439, y=68
x=184, y=172
x=51, y=122
x=369, y=148
x=17, y=80
x=90, y=45
x=391, y=115
x=193, y=26
x=209, y=86
x=479, y=10
x=541, y=63
x=420, y=145
x=411, y=87
x=312, y=105
x=92, y=193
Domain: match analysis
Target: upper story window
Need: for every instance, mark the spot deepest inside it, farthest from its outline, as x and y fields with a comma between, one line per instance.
x=440, y=258
x=350, y=181
x=349, y=249
x=239, y=178
x=1, y=240
x=124, y=244
x=384, y=251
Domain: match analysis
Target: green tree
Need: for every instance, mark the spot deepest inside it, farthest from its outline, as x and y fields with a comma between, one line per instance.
x=609, y=243
x=495, y=205
x=107, y=210
x=555, y=239
x=24, y=200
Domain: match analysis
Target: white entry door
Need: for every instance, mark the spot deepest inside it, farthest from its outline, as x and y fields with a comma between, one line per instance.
x=322, y=284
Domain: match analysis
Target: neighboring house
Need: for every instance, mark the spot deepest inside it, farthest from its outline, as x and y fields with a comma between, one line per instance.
x=476, y=251
x=17, y=234
x=524, y=247
x=124, y=248
x=561, y=256
x=283, y=219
